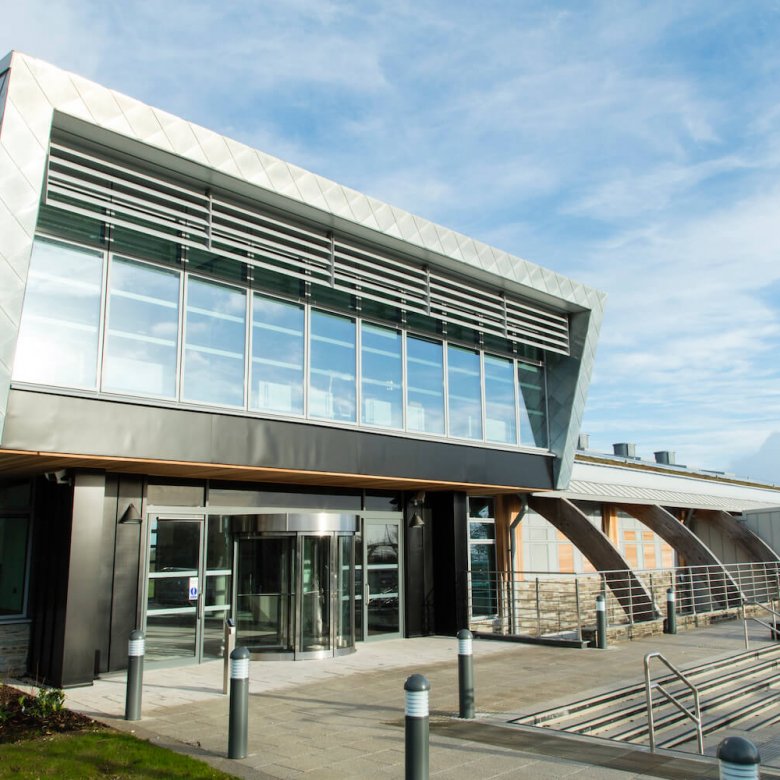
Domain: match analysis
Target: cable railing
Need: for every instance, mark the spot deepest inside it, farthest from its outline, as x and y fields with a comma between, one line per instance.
x=562, y=605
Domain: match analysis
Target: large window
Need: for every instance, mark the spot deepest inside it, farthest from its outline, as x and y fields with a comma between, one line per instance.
x=99, y=321
x=424, y=386
x=215, y=335
x=465, y=393
x=14, y=539
x=142, y=332
x=533, y=405
x=58, y=337
x=381, y=377
x=332, y=373
x=500, y=406
x=277, y=356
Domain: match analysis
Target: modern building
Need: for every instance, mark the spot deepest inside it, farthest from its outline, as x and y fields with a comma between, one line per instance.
x=230, y=388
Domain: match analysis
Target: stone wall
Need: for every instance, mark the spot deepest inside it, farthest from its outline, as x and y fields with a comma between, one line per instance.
x=14, y=641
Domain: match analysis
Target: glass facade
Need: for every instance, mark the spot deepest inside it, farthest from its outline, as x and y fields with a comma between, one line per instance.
x=157, y=331
x=482, y=557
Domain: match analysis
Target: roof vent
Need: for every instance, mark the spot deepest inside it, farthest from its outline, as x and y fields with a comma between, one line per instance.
x=583, y=441
x=625, y=449
x=665, y=456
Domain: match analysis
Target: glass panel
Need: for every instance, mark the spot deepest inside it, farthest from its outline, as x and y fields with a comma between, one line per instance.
x=332, y=376
x=484, y=599
x=214, y=633
x=219, y=543
x=533, y=405
x=315, y=593
x=381, y=377
x=174, y=545
x=171, y=592
x=481, y=507
x=13, y=564
x=214, y=343
x=58, y=335
x=265, y=593
x=482, y=530
x=15, y=495
x=277, y=356
x=217, y=590
x=142, y=334
x=425, y=386
x=345, y=634
x=170, y=636
x=382, y=576
x=500, y=425
x=465, y=393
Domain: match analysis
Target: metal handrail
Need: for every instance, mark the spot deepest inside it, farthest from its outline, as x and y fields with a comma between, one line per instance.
x=773, y=628
x=649, y=685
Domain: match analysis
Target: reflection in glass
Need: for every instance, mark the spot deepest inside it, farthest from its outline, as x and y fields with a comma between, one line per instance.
x=13, y=564
x=219, y=542
x=465, y=393
x=425, y=386
x=500, y=425
x=174, y=545
x=533, y=405
x=214, y=633
x=332, y=374
x=58, y=334
x=143, y=330
x=170, y=636
x=484, y=599
x=381, y=376
x=482, y=530
x=277, y=356
x=264, y=593
x=214, y=339
x=383, y=615
x=315, y=593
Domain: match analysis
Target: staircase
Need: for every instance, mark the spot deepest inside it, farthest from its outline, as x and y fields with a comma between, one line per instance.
x=741, y=691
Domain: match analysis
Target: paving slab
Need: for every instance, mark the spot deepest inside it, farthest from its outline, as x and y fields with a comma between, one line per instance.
x=343, y=717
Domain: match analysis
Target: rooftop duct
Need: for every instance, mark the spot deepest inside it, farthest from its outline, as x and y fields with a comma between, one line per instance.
x=667, y=457
x=583, y=441
x=625, y=449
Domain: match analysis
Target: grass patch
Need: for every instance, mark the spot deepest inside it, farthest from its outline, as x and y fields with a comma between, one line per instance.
x=99, y=754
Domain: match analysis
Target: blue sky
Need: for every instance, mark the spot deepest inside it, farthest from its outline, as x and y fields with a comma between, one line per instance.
x=634, y=146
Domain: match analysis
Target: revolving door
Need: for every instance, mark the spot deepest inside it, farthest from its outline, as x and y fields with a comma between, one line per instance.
x=294, y=591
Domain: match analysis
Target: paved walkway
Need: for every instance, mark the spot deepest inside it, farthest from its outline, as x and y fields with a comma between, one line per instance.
x=343, y=717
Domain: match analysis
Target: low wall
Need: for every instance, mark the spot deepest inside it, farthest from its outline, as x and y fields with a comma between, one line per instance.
x=14, y=642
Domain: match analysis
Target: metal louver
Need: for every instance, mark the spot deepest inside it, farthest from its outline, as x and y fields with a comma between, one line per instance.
x=84, y=182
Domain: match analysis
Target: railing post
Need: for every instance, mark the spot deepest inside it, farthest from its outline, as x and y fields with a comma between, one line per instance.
x=135, y=675
x=416, y=730
x=671, y=616
x=601, y=622
x=538, y=611
x=738, y=758
x=239, y=703
x=577, y=607
x=465, y=674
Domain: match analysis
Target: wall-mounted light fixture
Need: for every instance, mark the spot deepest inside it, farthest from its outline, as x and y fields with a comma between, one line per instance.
x=416, y=505
x=131, y=516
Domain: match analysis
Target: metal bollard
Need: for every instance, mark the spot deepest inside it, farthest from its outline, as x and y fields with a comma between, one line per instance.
x=230, y=646
x=465, y=674
x=738, y=758
x=671, y=612
x=601, y=622
x=417, y=688
x=239, y=703
x=135, y=675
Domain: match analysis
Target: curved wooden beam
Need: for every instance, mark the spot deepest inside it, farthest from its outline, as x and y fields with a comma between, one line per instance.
x=632, y=595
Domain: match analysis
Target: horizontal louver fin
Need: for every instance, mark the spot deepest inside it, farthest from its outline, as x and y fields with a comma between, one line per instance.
x=120, y=194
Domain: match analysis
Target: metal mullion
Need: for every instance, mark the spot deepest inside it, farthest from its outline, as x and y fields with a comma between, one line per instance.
x=518, y=437
x=404, y=379
x=359, y=371
x=180, y=346
x=483, y=393
x=102, y=322
x=306, y=357
x=446, y=365
x=248, y=312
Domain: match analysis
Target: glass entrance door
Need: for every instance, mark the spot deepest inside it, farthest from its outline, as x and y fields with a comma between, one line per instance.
x=381, y=567
x=188, y=588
